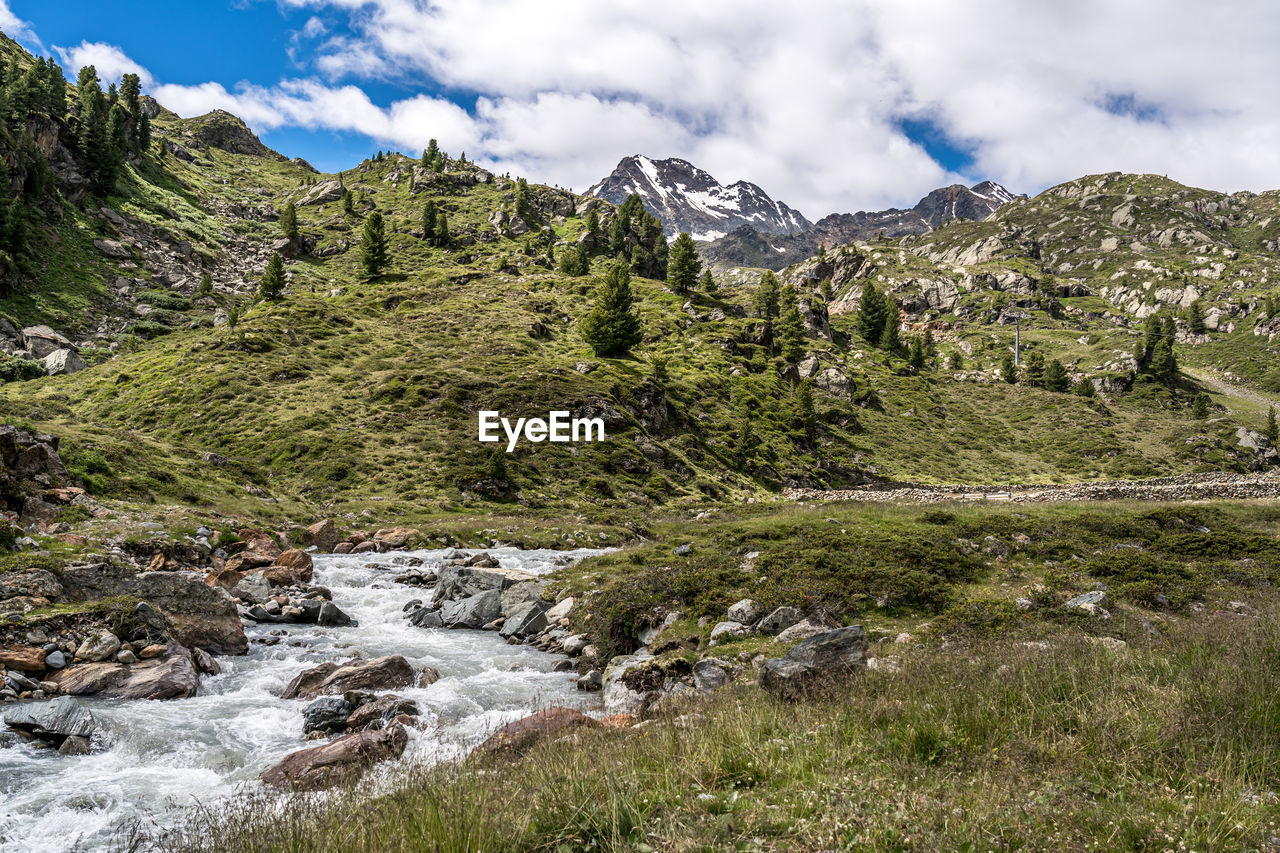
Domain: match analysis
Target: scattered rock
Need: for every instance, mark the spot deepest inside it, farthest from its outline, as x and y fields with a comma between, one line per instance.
x=327, y=715
x=53, y=721
x=711, y=673
x=802, y=630
x=746, y=612
x=514, y=739
x=340, y=760
x=728, y=631
x=817, y=664
x=382, y=673
x=779, y=620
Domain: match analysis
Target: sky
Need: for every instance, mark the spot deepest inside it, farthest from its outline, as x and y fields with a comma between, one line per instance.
x=828, y=106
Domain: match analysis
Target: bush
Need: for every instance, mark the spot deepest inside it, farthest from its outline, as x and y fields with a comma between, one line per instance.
x=164, y=299
x=20, y=369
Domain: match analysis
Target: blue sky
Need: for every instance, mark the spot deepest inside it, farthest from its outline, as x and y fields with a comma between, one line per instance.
x=829, y=107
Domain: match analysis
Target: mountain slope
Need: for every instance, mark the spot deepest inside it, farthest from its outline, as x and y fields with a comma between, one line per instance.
x=688, y=199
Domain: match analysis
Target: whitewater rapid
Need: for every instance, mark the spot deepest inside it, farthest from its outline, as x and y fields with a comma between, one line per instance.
x=164, y=756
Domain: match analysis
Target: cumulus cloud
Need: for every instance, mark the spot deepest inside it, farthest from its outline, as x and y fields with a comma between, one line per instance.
x=15, y=27
x=109, y=61
x=806, y=99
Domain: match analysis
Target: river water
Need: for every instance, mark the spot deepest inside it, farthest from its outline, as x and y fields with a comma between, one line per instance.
x=165, y=756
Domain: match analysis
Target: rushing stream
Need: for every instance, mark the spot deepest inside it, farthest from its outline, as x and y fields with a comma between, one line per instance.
x=164, y=756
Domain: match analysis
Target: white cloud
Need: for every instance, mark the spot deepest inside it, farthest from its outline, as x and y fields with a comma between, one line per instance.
x=15, y=27
x=108, y=60
x=804, y=99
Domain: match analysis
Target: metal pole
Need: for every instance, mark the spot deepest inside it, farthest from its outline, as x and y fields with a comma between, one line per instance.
x=1017, y=341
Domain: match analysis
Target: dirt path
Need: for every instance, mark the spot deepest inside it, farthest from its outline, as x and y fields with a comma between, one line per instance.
x=1215, y=383
x=1184, y=487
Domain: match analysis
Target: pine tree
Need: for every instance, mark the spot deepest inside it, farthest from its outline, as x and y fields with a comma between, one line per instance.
x=206, y=285
x=890, y=336
x=806, y=418
x=1084, y=388
x=1055, y=377
x=144, y=133
x=272, y=284
x=348, y=203
x=957, y=360
x=1273, y=306
x=611, y=327
x=1008, y=370
x=1200, y=408
x=1033, y=372
x=684, y=265
x=118, y=132
x=442, y=230
x=1163, y=365
x=373, y=245
x=1273, y=431
x=289, y=221
x=431, y=157
x=824, y=287
x=428, y=219
x=573, y=261
x=1195, y=318
x=593, y=227
x=872, y=311
x=915, y=353
x=708, y=282
x=130, y=90
x=523, y=208
x=766, y=297
x=790, y=330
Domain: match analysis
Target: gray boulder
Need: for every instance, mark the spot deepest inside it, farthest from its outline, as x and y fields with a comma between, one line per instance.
x=745, y=611
x=779, y=620
x=331, y=615
x=53, y=721
x=41, y=341
x=817, y=664
x=728, y=631
x=473, y=611
x=63, y=361
x=253, y=588
x=328, y=714
x=426, y=618
x=519, y=594
x=710, y=674
x=1094, y=603
x=453, y=582
x=529, y=618
x=100, y=645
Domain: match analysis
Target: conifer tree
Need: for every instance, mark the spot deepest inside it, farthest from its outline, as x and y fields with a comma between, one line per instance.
x=348, y=203
x=118, y=132
x=429, y=219
x=708, y=282
x=806, y=418
x=206, y=285
x=956, y=360
x=373, y=245
x=130, y=90
x=1200, y=408
x=890, y=336
x=915, y=353
x=611, y=327
x=144, y=133
x=683, y=265
x=1084, y=388
x=1163, y=365
x=790, y=332
x=824, y=287
x=573, y=261
x=1033, y=372
x=1273, y=306
x=1008, y=370
x=1055, y=377
x=523, y=208
x=272, y=284
x=289, y=221
x=1195, y=318
x=1273, y=431
x=872, y=311
x=442, y=230
x=593, y=226
x=766, y=297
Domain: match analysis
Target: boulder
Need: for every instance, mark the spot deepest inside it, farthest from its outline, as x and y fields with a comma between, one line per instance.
x=619, y=697
x=473, y=611
x=340, y=760
x=328, y=714
x=561, y=610
x=53, y=721
x=425, y=617
x=63, y=361
x=290, y=567
x=98, y=646
x=710, y=674
x=592, y=681
x=528, y=619
x=74, y=745
x=323, y=535
x=517, y=595
x=817, y=664
x=1094, y=603
x=728, y=631
x=376, y=714
x=331, y=615
x=802, y=630
x=171, y=676
x=22, y=658
x=746, y=612
x=41, y=341
x=382, y=673
x=395, y=538
x=112, y=249
x=322, y=193
x=461, y=581
x=253, y=588
x=515, y=739
x=779, y=620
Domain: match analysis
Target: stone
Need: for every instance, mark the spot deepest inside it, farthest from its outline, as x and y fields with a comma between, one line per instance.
x=53, y=721
x=683, y=550
x=74, y=745
x=205, y=662
x=380, y=711
x=112, y=249
x=802, y=630
x=365, y=547
x=395, y=538
x=381, y=673
x=63, y=361
x=560, y=611
x=1090, y=602
x=126, y=656
x=328, y=714
x=322, y=192
x=331, y=615
x=253, y=588
x=473, y=611
x=779, y=620
x=36, y=584
x=100, y=645
x=591, y=681
x=728, y=631
x=816, y=664
x=710, y=674
x=55, y=660
x=461, y=581
x=152, y=651
x=619, y=697
x=290, y=567
x=520, y=594
x=23, y=658
x=745, y=611
x=339, y=761
x=528, y=619
x=515, y=739
x=323, y=536
x=426, y=618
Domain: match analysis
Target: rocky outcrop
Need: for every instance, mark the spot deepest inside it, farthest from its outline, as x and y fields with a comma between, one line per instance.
x=816, y=665
x=339, y=761
x=29, y=462
x=53, y=721
x=170, y=676
x=382, y=673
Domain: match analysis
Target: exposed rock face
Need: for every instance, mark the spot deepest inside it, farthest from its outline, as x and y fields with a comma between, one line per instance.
x=22, y=658
x=382, y=673
x=817, y=664
x=28, y=462
x=172, y=676
x=688, y=199
x=323, y=535
x=514, y=739
x=221, y=129
x=53, y=721
x=750, y=246
x=340, y=760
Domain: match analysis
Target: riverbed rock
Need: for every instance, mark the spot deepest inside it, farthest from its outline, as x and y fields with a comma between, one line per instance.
x=425, y=617
x=517, y=595
x=98, y=646
x=292, y=566
x=515, y=739
x=818, y=664
x=591, y=681
x=384, y=673
x=171, y=676
x=474, y=611
x=22, y=658
x=340, y=760
x=330, y=615
x=779, y=620
x=619, y=697
x=560, y=611
x=75, y=745
x=253, y=588
x=454, y=582
x=53, y=721
x=328, y=714
x=394, y=538
x=323, y=535
x=528, y=619
x=376, y=714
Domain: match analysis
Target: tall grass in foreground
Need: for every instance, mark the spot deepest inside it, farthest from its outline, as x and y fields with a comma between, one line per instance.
x=989, y=747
